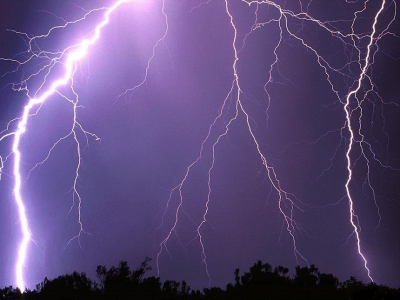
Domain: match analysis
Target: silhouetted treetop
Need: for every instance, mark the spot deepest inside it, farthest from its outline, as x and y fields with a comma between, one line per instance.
x=262, y=281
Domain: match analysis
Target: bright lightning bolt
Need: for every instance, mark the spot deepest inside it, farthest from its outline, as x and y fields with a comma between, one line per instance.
x=232, y=109
x=285, y=200
x=74, y=56
x=353, y=93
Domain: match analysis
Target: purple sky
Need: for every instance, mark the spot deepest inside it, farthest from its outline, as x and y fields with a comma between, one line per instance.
x=150, y=136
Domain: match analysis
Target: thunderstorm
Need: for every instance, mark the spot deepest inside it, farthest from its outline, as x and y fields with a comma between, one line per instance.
x=205, y=134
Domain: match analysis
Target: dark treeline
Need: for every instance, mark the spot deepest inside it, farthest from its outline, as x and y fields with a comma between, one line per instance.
x=260, y=282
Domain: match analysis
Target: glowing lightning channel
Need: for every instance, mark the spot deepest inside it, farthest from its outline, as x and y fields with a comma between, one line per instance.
x=286, y=202
x=282, y=194
x=285, y=199
x=70, y=68
x=347, y=109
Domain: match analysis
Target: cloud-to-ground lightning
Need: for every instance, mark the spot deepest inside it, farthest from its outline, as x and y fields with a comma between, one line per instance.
x=284, y=198
x=73, y=54
x=350, y=82
x=366, y=61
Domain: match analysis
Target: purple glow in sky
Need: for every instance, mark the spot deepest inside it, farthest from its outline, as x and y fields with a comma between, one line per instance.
x=204, y=134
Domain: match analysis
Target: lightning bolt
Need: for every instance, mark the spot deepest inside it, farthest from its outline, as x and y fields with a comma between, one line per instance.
x=353, y=216
x=287, y=202
x=232, y=108
x=73, y=55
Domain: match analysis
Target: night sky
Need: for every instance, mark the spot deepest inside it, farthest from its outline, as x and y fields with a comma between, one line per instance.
x=179, y=159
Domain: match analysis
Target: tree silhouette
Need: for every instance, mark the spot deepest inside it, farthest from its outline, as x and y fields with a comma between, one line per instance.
x=122, y=283
x=10, y=293
x=262, y=281
x=70, y=286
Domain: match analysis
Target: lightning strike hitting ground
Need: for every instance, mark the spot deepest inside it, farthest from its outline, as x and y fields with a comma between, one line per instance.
x=73, y=54
x=359, y=47
x=362, y=75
